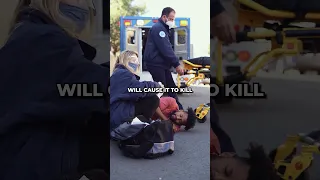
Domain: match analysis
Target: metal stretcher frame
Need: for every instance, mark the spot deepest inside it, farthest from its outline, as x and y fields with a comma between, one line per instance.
x=257, y=14
x=191, y=66
x=285, y=42
x=299, y=162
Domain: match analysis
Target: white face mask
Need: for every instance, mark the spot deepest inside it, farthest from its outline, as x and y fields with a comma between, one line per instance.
x=170, y=24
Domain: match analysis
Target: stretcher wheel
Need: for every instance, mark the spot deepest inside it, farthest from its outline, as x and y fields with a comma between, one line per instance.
x=203, y=120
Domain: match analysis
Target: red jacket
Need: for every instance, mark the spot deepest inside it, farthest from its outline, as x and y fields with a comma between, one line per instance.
x=214, y=144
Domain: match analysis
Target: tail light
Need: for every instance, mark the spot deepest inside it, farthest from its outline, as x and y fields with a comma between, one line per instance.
x=127, y=22
x=290, y=46
x=244, y=56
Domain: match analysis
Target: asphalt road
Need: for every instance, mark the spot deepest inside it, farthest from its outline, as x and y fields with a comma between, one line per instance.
x=292, y=107
x=190, y=160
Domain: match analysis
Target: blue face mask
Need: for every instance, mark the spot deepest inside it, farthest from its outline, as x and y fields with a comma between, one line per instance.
x=79, y=15
x=133, y=66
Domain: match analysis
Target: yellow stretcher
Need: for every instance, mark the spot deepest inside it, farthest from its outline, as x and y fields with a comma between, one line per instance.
x=286, y=39
x=201, y=112
x=292, y=164
x=200, y=67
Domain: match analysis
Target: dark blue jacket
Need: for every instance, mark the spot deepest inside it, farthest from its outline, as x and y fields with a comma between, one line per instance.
x=215, y=8
x=158, y=50
x=122, y=103
x=40, y=132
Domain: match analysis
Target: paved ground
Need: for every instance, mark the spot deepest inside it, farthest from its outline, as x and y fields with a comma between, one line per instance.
x=291, y=107
x=189, y=162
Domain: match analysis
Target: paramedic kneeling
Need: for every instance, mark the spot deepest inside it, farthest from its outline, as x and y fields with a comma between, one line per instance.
x=124, y=106
x=159, y=54
x=169, y=110
x=42, y=134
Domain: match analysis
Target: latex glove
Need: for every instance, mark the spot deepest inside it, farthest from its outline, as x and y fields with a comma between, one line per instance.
x=160, y=94
x=180, y=70
x=160, y=83
x=223, y=27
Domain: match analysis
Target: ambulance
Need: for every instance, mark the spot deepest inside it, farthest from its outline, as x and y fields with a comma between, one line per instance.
x=134, y=33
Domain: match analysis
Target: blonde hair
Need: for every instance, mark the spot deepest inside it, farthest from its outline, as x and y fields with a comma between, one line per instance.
x=124, y=57
x=51, y=9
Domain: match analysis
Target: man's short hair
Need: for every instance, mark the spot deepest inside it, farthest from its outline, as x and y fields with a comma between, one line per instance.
x=261, y=166
x=191, y=120
x=166, y=11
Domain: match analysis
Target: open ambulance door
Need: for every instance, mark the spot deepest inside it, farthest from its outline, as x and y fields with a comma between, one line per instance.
x=181, y=42
x=134, y=41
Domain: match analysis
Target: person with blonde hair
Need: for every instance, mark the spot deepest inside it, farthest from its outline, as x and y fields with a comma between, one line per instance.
x=123, y=104
x=44, y=135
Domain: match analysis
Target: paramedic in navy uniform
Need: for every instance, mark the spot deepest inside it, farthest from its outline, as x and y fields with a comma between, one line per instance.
x=223, y=28
x=221, y=23
x=159, y=54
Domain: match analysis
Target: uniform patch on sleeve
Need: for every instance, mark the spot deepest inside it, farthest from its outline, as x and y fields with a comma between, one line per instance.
x=162, y=34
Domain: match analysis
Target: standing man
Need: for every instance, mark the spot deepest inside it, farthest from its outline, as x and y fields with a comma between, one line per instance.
x=222, y=27
x=221, y=23
x=159, y=54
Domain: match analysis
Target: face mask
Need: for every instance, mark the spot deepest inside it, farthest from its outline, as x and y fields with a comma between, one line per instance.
x=133, y=66
x=170, y=24
x=79, y=15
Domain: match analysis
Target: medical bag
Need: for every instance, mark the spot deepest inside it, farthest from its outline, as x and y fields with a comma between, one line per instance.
x=141, y=138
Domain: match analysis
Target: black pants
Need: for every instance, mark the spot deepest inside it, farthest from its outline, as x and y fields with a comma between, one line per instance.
x=147, y=106
x=165, y=77
x=224, y=139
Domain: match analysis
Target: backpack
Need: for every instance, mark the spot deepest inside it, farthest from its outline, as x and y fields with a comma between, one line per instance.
x=140, y=138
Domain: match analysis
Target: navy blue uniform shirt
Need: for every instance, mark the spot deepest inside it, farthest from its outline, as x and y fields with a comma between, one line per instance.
x=158, y=50
x=215, y=8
